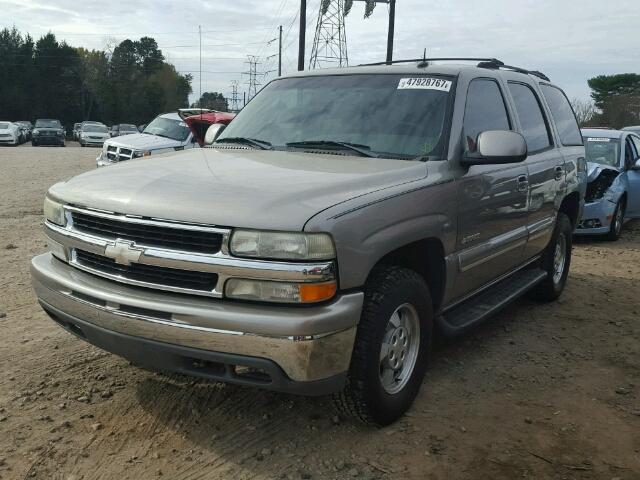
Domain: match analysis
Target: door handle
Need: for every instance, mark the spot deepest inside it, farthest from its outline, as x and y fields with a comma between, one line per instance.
x=559, y=173
x=523, y=183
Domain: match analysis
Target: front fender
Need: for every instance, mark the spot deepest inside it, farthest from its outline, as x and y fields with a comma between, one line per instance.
x=369, y=227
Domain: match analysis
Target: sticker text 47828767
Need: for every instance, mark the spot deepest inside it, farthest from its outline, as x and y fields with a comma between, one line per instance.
x=424, y=83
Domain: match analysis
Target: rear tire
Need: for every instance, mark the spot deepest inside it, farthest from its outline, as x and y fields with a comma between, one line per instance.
x=556, y=261
x=616, y=222
x=391, y=348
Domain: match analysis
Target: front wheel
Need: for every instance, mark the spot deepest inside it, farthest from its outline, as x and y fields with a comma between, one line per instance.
x=391, y=349
x=616, y=222
x=556, y=261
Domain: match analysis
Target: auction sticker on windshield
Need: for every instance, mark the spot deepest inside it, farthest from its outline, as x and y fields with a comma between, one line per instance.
x=598, y=139
x=425, y=83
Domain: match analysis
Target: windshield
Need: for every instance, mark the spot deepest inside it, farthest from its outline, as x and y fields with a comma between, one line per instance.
x=168, y=128
x=391, y=116
x=95, y=128
x=602, y=150
x=4, y=125
x=48, y=124
x=129, y=128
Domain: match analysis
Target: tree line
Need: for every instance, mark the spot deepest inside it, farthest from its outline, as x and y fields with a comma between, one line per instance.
x=48, y=78
x=615, y=102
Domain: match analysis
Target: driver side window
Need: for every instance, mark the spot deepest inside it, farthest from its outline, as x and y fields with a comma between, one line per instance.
x=485, y=110
x=630, y=155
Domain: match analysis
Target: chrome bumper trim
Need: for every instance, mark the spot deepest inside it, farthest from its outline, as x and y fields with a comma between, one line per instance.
x=307, y=343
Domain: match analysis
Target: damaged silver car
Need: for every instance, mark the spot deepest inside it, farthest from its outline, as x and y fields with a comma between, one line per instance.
x=613, y=188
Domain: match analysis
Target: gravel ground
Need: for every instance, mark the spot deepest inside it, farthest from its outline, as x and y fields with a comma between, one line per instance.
x=541, y=391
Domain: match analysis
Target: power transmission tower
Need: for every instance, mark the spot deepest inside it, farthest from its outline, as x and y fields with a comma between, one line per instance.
x=330, y=41
x=253, y=83
x=235, y=101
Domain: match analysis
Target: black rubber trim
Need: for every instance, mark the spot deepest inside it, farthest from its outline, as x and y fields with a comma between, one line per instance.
x=195, y=362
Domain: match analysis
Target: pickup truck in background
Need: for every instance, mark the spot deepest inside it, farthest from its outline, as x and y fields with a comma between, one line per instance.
x=166, y=133
x=319, y=252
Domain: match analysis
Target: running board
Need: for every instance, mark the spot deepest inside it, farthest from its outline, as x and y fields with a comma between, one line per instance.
x=478, y=308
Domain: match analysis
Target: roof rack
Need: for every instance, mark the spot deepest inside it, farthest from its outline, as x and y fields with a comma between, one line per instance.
x=490, y=63
x=499, y=64
x=427, y=60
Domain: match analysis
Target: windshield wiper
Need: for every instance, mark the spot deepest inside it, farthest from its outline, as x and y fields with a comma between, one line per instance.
x=363, y=150
x=262, y=144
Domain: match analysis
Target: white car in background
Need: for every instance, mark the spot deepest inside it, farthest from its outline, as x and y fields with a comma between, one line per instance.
x=9, y=133
x=93, y=134
x=166, y=133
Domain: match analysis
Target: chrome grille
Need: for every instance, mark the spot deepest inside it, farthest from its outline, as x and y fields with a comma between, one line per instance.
x=175, y=238
x=118, y=154
x=148, y=274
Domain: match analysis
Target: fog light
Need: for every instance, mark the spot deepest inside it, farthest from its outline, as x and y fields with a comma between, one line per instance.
x=281, y=292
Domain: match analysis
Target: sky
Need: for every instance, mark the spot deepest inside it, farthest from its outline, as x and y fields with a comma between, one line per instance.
x=568, y=40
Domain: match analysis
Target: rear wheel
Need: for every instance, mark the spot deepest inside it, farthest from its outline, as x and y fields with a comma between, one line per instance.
x=391, y=348
x=556, y=261
x=616, y=222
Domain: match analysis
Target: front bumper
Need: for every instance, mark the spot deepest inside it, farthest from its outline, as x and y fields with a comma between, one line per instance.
x=41, y=140
x=596, y=218
x=93, y=141
x=304, y=350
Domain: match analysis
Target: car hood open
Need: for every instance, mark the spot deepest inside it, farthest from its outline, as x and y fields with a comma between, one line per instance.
x=594, y=169
x=235, y=188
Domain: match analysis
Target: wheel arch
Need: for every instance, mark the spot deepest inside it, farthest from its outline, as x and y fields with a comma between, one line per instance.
x=427, y=258
x=570, y=206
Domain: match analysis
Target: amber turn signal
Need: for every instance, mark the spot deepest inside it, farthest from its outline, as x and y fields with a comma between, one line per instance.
x=317, y=292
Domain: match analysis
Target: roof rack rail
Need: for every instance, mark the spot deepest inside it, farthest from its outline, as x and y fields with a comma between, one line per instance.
x=443, y=59
x=491, y=63
x=498, y=65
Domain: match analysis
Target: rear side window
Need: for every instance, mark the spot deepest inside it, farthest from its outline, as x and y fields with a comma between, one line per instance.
x=534, y=126
x=563, y=115
x=485, y=110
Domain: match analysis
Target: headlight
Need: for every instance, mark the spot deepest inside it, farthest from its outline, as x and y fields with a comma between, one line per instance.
x=36, y=132
x=141, y=153
x=281, y=292
x=54, y=212
x=282, y=245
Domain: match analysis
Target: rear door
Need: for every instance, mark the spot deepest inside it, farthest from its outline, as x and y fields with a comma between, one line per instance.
x=633, y=177
x=545, y=164
x=492, y=198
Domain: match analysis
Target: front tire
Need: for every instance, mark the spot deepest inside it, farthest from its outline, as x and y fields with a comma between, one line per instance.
x=391, y=349
x=556, y=261
x=616, y=222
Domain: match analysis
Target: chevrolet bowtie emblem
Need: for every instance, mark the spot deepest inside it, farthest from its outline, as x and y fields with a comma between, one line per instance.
x=123, y=252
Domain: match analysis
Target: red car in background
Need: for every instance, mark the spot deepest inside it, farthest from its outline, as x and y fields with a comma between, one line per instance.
x=199, y=120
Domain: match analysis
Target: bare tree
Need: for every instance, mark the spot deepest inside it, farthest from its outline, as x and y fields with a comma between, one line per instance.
x=585, y=111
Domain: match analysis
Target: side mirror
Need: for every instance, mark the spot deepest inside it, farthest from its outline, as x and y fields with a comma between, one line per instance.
x=213, y=132
x=497, y=147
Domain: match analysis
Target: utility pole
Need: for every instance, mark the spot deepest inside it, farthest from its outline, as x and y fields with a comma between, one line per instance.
x=392, y=27
x=200, y=75
x=280, y=51
x=302, y=34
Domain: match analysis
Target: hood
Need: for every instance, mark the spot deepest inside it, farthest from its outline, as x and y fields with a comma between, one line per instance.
x=143, y=141
x=235, y=188
x=594, y=169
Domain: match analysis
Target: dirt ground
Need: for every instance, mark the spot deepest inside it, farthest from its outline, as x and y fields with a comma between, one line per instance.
x=541, y=391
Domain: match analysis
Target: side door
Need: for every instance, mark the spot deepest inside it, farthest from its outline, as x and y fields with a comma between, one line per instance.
x=633, y=178
x=492, y=199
